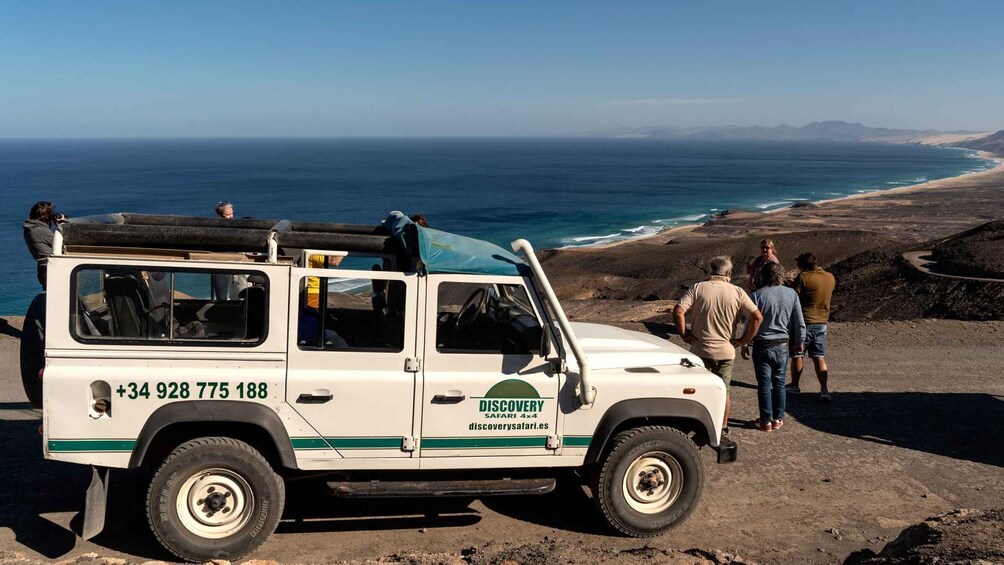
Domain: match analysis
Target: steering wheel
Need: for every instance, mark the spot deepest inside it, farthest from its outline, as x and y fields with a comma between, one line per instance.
x=474, y=305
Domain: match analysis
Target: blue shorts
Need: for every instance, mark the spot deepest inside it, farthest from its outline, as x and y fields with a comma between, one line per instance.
x=815, y=341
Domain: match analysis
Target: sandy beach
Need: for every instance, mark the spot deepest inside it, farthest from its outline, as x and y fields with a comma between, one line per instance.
x=639, y=280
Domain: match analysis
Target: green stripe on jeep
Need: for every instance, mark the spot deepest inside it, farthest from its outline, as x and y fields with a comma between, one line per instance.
x=482, y=442
x=89, y=445
x=364, y=442
x=309, y=443
x=577, y=441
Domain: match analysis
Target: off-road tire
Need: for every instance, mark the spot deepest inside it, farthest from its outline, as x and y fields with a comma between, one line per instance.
x=200, y=460
x=33, y=350
x=662, y=445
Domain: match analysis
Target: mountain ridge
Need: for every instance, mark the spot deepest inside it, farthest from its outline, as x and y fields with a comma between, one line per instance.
x=830, y=130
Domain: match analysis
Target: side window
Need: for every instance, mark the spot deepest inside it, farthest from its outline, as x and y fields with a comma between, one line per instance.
x=134, y=305
x=486, y=318
x=351, y=314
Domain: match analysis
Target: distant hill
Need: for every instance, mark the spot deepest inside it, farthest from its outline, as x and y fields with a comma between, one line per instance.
x=834, y=130
x=993, y=143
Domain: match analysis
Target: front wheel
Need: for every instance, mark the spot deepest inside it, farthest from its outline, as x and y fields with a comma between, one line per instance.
x=649, y=481
x=214, y=498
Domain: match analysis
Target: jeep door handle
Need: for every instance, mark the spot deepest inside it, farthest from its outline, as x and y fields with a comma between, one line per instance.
x=317, y=397
x=451, y=397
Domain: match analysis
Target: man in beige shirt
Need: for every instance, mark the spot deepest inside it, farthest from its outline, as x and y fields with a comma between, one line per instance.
x=716, y=305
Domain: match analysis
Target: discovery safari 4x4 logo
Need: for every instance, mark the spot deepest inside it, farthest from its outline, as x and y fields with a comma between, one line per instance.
x=511, y=399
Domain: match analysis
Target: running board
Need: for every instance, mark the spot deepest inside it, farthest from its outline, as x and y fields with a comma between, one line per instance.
x=421, y=489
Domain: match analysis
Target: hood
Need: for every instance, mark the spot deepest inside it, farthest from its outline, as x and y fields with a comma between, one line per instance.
x=608, y=347
x=30, y=224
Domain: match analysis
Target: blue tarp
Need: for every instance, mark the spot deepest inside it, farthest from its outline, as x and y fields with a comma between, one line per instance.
x=444, y=252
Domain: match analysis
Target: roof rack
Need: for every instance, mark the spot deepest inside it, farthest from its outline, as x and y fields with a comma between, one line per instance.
x=216, y=234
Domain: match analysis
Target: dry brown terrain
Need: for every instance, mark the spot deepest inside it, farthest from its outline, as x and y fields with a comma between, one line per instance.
x=913, y=431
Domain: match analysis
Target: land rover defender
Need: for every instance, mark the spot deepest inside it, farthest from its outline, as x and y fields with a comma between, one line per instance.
x=231, y=356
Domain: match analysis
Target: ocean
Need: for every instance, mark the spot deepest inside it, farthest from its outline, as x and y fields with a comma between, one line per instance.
x=554, y=192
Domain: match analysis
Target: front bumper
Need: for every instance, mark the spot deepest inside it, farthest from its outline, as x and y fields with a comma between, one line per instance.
x=727, y=450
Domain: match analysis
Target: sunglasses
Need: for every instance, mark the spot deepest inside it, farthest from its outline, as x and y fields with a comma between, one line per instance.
x=224, y=203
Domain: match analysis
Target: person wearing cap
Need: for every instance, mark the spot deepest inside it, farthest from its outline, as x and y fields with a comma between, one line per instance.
x=38, y=227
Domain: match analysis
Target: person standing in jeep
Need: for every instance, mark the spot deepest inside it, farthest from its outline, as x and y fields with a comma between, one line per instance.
x=42, y=218
x=717, y=303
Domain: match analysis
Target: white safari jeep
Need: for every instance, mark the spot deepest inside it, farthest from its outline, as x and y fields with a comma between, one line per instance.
x=229, y=356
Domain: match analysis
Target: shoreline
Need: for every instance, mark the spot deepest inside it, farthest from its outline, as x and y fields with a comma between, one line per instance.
x=926, y=185
x=711, y=218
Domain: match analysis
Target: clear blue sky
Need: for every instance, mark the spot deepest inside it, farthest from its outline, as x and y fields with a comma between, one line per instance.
x=210, y=68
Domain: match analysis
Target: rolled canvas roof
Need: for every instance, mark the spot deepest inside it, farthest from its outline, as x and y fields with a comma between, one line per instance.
x=444, y=252
x=438, y=251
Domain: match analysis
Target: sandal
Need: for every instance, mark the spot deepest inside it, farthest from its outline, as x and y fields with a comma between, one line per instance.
x=763, y=427
x=777, y=424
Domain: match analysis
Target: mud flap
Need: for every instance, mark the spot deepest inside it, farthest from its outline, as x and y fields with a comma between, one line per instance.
x=95, y=503
x=727, y=450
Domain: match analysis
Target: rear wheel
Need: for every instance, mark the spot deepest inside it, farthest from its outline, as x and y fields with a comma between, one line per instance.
x=649, y=481
x=33, y=350
x=214, y=498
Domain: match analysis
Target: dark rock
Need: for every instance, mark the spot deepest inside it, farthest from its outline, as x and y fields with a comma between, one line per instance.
x=978, y=252
x=961, y=536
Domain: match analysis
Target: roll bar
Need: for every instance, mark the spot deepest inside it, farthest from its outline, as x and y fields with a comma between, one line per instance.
x=587, y=394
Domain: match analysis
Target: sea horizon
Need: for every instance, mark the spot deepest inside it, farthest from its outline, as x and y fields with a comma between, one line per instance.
x=558, y=192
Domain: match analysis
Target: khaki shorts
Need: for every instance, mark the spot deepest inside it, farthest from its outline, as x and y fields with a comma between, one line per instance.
x=721, y=368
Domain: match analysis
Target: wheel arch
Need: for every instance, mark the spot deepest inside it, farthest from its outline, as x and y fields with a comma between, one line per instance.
x=177, y=422
x=680, y=413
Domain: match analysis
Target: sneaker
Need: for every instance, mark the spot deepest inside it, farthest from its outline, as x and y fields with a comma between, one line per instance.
x=792, y=389
x=725, y=431
x=777, y=424
x=762, y=426
x=825, y=396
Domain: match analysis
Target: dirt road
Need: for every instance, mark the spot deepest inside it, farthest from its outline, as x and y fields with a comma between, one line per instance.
x=914, y=430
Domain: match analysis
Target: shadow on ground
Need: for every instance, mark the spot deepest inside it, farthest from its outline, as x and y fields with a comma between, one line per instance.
x=957, y=425
x=568, y=508
x=7, y=329
x=42, y=487
x=309, y=508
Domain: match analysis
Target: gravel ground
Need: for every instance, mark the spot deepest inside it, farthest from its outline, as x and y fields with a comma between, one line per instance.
x=913, y=431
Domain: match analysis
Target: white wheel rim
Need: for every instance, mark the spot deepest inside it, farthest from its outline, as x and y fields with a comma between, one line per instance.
x=215, y=503
x=653, y=482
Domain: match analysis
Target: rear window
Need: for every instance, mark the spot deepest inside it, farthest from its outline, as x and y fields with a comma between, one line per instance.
x=154, y=306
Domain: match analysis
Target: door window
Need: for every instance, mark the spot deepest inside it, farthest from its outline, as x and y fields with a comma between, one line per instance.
x=348, y=313
x=486, y=318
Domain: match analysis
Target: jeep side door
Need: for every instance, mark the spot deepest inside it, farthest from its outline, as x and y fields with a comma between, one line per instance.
x=488, y=390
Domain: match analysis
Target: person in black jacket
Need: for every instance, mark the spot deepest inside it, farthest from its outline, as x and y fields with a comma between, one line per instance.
x=42, y=219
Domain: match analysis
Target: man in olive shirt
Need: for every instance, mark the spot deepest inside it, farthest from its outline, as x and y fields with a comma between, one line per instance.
x=814, y=287
x=716, y=304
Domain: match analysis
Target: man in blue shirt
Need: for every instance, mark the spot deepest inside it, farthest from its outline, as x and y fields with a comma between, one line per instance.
x=782, y=324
